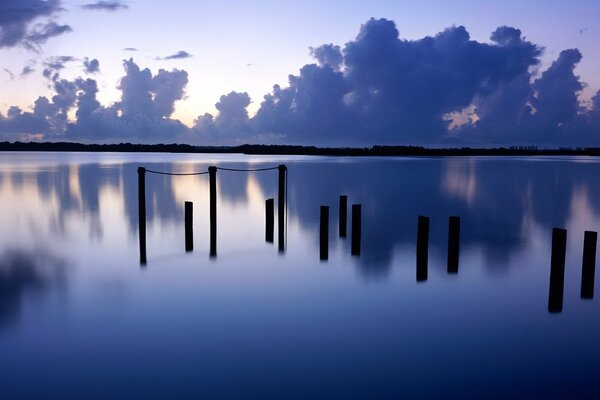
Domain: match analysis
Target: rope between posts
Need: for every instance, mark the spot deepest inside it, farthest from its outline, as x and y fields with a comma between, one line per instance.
x=247, y=170
x=173, y=173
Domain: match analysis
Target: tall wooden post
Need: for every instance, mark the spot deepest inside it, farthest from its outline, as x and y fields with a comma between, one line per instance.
x=356, y=229
x=142, y=213
x=422, y=248
x=588, y=268
x=281, y=207
x=343, y=215
x=453, y=244
x=557, y=270
x=212, y=178
x=189, y=226
x=324, y=233
x=269, y=220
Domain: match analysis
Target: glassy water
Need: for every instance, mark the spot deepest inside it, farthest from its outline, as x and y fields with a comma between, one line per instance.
x=80, y=317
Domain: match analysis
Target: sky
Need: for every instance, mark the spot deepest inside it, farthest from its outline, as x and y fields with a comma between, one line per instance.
x=313, y=72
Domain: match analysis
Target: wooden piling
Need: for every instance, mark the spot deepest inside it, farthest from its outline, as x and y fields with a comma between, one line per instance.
x=212, y=178
x=453, y=244
x=142, y=213
x=422, y=247
x=588, y=268
x=557, y=270
x=356, y=229
x=189, y=226
x=281, y=207
x=269, y=220
x=324, y=233
x=343, y=215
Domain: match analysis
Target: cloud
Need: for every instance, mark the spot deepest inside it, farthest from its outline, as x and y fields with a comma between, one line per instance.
x=130, y=49
x=10, y=74
x=28, y=69
x=105, y=6
x=91, y=66
x=177, y=56
x=230, y=127
x=328, y=54
x=17, y=19
x=53, y=66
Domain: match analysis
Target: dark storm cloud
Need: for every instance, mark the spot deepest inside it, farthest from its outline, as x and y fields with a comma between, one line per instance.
x=17, y=19
x=105, y=6
x=177, y=56
x=91, y=66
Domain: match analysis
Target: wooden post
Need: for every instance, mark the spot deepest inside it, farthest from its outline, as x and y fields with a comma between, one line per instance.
x=557, y=270
x=588, y=268
x=422, y=248
x=269, y=220
x=189, y=226
x=324, y=233
x=212, y=178
x=356, y=228
x=281, y=207
x=453, y=244
x=142, y=213
x=343, y=215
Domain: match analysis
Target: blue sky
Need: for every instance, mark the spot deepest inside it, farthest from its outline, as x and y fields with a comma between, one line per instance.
x=250, y=46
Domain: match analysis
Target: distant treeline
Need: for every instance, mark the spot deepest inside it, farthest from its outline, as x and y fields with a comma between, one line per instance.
x=297, y=150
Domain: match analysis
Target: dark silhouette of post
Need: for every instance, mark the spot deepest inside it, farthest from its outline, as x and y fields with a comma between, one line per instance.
x=142, y=212
x=453, y=244
x=588, y=268
x=557, y=270
x=189, y=226
x=269, y=220
x=212, y=179
x=281, y=207
x=324, y=233
x=343, y=215
x=422, y=248
x=356, y=228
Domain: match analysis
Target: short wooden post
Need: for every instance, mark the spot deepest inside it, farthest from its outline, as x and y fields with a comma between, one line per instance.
x=557, y=270
x=453, y=244
x=343, y=215
x=422, y=248
x=142, y=213
x=212, y=178
x=269, y=220
x=356, y=229
x=324, y=233
x=588, y=268
x=189, y=226
x=281, y=207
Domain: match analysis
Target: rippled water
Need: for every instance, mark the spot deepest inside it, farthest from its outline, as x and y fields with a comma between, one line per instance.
x=80, y=317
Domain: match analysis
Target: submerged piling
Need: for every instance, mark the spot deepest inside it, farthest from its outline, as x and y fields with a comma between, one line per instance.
x=189, y=226
x=324, y=233
x=422, y=247
x=343, y=215
x=269, y=220
x=142, y=213
x=588, y=268
x=453, y=244
x=356, y=229
x=557, y=270
x=212, y=178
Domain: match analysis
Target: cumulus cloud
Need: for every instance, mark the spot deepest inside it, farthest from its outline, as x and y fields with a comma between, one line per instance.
x=230, y=127
x=328, y=54
x=177, y=56
x=91, y=66
x=105, y=6
x=18, y=24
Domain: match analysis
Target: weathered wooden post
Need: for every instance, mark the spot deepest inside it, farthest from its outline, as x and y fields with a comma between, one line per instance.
x=588, y=268
x=281, y=207
x=422, y=248
x=324, y=233
x=269, y=220
x=142, y=213
x=557, y=270
x=189, y=226
x=212, y=179
x=356, y=229
x=343, y=215
x=453, y=244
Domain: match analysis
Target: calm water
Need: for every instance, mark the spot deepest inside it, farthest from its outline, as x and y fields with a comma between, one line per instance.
x=81, y=318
